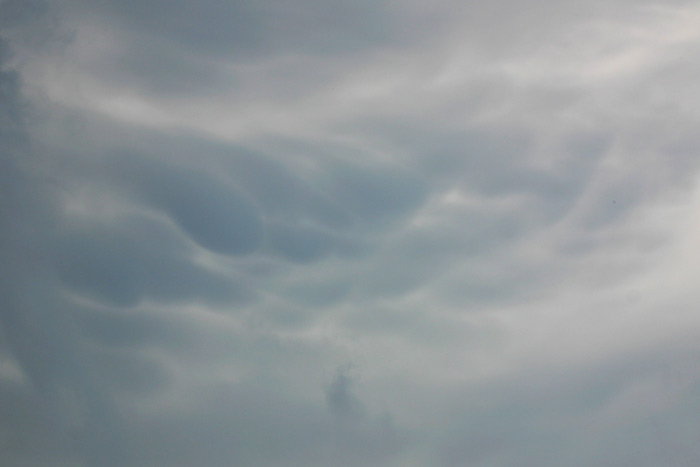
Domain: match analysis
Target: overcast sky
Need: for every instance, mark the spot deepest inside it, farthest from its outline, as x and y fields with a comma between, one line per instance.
x=349, y=233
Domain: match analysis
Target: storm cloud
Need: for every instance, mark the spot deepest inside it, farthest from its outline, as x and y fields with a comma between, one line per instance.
x=359, y=233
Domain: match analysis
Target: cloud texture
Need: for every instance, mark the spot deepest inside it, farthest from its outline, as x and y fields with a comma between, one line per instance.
x=353, y=233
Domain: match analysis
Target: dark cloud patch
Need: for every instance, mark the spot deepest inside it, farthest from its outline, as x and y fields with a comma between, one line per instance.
x=374, y=197
x=175, y=48
x=217, y=218
x=138, y=259
x=339, y=394
x=314, y=186
x=304, y=244
x=211, y=212
x=101, y=269
x=242, y=199
x=248, y=200
x=279, y=187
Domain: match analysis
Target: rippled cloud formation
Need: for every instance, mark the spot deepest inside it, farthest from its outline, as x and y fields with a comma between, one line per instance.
x=349, y=233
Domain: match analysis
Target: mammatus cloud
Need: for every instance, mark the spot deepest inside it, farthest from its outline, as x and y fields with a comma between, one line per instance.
x=354, y=234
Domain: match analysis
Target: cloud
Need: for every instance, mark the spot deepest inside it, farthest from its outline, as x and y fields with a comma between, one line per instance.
x=339, y=396
x=208, y=210
x=140, y=262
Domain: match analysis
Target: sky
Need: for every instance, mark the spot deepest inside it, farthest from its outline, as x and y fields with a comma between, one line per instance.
x=349, y=233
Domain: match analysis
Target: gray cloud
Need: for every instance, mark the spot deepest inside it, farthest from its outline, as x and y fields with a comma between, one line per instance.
x=339, y=394
x=139, y=262
x=209, y=209
x=173, y=48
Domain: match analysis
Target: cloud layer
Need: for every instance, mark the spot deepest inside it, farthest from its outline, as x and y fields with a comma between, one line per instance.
x=357, y=233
